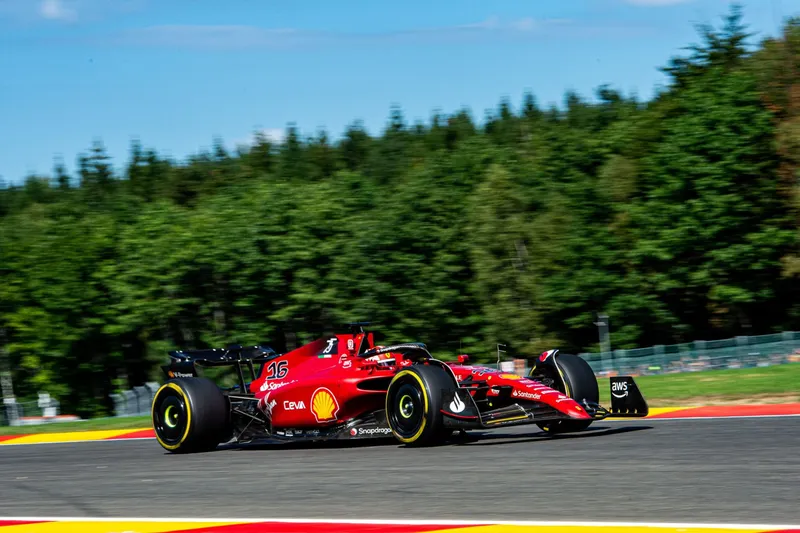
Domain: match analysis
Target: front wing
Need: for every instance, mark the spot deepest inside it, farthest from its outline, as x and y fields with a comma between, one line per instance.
x=461, y=412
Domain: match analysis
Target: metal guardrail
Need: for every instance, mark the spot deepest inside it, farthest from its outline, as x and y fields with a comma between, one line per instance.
x=17, y=413
x=736, y=352
x=135, y=401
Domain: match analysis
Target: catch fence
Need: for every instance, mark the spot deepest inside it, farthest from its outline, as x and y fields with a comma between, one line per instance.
x=736, y=352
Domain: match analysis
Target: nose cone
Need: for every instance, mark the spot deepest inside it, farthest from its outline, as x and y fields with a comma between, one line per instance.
x=570, y=407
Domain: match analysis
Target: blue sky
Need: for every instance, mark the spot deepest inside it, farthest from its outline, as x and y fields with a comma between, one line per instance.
x=177, y=73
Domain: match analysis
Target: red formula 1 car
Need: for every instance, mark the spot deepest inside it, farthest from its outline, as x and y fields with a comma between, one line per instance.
x=345, y=387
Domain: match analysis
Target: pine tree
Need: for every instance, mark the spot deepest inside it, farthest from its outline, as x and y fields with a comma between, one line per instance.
x=62, y=178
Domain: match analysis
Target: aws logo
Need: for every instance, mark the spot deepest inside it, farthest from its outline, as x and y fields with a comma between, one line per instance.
x=619, y=389
x=324, y=405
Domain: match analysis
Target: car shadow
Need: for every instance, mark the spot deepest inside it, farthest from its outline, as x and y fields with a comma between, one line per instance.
x=495, y=439
x=310, y=445
x=472, y=438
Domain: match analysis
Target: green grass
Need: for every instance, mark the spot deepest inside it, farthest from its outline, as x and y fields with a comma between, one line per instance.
x=129, y=422
x=780, y=383
x=771, y=384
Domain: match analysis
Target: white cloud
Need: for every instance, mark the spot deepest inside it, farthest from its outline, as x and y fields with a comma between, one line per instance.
x=275, y=135
x=247, y=36
x=57, y=10
x=66, y=11
x=211, y=36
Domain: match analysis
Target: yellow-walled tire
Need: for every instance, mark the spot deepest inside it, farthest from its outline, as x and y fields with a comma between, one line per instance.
x=414, y=403
x=190, y=415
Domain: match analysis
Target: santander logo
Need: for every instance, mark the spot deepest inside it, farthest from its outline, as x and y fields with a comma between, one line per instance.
x=457, y=405
x=526, y=395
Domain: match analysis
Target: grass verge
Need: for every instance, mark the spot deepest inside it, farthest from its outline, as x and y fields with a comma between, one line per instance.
x=128, y=422
x=771, y=384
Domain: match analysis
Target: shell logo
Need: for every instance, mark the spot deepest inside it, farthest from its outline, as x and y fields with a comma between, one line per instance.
x=510, y=376
x=324, y=405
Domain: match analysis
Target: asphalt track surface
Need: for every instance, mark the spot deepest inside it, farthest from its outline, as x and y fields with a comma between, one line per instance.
x=743, y=470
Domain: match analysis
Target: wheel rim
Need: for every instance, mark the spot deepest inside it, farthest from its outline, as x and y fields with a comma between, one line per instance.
x=406, y=406
x=407, y=413
x=170, y=417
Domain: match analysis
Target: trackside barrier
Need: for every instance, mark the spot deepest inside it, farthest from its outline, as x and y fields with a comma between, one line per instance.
x=736, y=352
x=135, y=401
x=45, y=409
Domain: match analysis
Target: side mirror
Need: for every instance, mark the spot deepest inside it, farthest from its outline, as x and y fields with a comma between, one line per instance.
x=463, y=358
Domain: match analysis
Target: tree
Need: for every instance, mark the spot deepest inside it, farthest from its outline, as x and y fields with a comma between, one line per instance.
x=726, y=49
x=62, y=178
x=711, y=231
x=677, y=217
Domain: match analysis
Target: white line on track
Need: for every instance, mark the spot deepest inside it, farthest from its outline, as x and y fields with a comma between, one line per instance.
x=6, y=444
x=674, y=418
x=670, y=525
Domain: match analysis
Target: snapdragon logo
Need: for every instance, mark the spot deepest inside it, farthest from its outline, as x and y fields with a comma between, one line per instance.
x=373, y=431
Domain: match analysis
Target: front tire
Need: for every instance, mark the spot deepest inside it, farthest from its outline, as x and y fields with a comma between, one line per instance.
x=577, y=381
x=414, y=403
x=190, y=415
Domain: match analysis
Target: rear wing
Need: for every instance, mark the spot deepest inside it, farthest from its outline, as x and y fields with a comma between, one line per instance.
x=184, y=363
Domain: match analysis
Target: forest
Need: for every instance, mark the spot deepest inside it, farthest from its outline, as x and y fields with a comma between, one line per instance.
x=678, y=217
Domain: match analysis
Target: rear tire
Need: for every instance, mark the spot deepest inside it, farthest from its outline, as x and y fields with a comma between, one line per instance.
x=190, y=415
x=579, y=383
x=414, y=403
